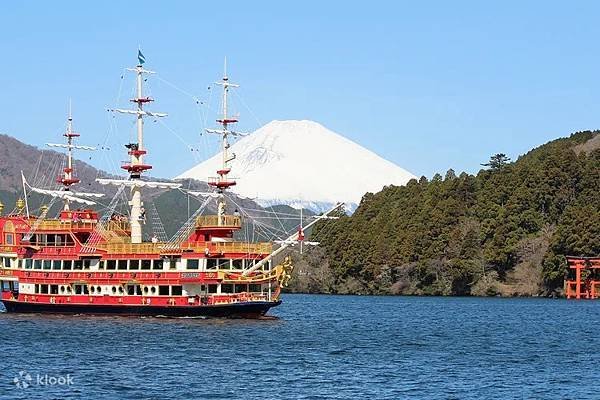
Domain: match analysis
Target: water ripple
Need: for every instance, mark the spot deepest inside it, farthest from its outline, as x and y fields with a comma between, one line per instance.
x=319, y=347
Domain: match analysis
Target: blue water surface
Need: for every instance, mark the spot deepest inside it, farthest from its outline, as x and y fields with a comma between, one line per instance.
x=320, y=347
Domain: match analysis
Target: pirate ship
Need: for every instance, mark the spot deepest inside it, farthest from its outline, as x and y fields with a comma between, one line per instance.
x=86, y=261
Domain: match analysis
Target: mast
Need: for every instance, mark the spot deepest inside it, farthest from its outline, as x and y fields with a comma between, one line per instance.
x=136, y=151
x=25, y=193
x=301, y=230
x=67, y=178
x=222, y=183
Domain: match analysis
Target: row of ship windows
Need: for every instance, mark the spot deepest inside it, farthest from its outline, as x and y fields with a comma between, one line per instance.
x=138, y=290
x=28, y=263
x=42, y=239
x=192, y=264
x=51, y=239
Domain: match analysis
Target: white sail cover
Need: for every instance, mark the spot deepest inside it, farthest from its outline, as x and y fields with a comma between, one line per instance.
x=128, y=183
x=61, y=194
x=87, y=194
x=203, y=194
x=70, y=146
x=140, y=112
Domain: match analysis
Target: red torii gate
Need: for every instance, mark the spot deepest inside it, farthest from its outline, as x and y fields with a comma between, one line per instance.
x=583, y=287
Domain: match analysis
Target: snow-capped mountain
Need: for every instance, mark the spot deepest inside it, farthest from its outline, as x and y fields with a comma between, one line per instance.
x=303, y=164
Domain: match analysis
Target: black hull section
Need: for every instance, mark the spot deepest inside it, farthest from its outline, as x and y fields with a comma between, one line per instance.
x=238, y=310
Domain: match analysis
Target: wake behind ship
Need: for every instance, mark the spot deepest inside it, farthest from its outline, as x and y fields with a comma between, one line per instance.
x=87, y=262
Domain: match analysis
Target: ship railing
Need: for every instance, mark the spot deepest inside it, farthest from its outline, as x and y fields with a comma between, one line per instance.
x=250, y=296
x=115, y=246
x=59, y=224
x=238, y=297
x=122, y=228
x=216, y=248
x=215, y=221
x=114, y=231
x=133, y=248
x=113, y=237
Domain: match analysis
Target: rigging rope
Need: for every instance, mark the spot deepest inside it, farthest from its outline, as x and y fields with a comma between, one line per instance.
x=100, y=230
x=266, y=228
x=180, y=138
x=185, y=230
x=38, y=221
x=235, y=93
x=275, y=212
x=157, y=225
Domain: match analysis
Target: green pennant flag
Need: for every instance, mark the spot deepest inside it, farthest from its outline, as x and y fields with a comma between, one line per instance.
x=141, y=58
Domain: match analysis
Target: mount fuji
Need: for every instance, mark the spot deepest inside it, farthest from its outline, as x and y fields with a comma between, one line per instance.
x=302, y=164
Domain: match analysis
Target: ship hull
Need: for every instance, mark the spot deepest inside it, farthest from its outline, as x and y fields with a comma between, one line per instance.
x=237, y=310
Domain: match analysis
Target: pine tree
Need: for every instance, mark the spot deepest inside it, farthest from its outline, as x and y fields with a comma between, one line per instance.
x=497, y=161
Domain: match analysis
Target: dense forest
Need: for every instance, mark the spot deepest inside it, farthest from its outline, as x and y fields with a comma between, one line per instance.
x=505, y=231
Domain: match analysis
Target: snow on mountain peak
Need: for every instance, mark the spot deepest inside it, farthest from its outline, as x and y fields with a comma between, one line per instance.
x=302, y=163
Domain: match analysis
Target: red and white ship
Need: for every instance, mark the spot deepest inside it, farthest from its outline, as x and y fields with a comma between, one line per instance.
x=84, y=262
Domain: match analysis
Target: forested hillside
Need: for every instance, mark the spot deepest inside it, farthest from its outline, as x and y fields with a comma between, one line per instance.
x=504, y=231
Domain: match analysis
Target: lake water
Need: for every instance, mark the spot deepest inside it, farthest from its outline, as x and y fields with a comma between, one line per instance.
x=320, y=347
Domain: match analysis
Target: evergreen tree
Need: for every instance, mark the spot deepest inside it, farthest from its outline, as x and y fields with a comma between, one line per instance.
x=497, y=161
x=450, y=174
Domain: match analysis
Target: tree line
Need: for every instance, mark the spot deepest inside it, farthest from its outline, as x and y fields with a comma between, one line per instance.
x=506, y=228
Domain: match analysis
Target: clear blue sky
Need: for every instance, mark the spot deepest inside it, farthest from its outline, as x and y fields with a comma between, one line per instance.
x=427, y=85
